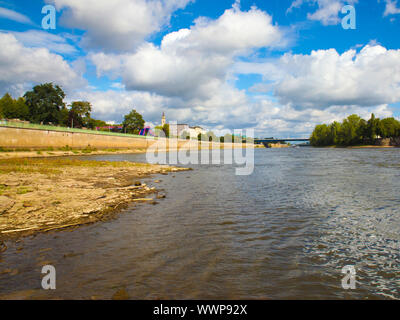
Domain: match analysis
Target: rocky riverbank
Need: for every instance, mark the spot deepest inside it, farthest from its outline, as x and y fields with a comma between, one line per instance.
x=40, y=195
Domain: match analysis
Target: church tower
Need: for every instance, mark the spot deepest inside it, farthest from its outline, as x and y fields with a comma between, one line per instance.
x=163, y=120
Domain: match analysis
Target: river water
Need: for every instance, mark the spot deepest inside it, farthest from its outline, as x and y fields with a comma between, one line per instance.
x=284, y=232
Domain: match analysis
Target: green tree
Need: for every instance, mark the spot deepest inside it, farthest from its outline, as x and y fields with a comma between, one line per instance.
x=165, y=128
x=79, y=114
x=354, y=130
x=388, y=128
x=321, y=136
x=45, y=103
x=14, y=109
x=133, y=122
x=64, y=117
x=93, y=123
x=335, y=128
x=349, y=133
x=7, y=106
x=362, y=131
x=372, y=128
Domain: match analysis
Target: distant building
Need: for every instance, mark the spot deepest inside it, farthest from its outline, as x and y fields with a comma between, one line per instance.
x=195, y=131
x=179, y=129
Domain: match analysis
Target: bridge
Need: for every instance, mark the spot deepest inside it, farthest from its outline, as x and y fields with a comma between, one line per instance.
x=274, y=140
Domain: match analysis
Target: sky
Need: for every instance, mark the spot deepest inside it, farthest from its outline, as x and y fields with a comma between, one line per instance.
x=279, y=67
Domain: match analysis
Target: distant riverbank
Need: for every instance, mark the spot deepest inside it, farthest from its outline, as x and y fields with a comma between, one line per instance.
x=39, y=195
x=357, y=147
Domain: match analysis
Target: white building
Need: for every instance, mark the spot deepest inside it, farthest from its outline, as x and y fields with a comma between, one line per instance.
x=177, y=130
x=195, y=131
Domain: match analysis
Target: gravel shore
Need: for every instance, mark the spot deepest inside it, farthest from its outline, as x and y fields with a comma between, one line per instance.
x=40, y=195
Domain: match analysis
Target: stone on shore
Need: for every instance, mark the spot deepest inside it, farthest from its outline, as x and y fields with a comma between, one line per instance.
x=5, y=204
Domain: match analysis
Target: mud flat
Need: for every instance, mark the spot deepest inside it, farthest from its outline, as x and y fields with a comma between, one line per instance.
x=41, y=195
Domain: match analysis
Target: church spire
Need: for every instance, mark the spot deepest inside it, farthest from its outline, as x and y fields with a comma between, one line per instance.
x=163, y=120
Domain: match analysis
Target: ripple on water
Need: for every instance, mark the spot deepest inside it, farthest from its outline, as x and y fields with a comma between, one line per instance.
x=284, y=232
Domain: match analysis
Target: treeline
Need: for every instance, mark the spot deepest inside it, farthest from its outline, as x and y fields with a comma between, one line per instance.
x=44, y=104
x=355, y=131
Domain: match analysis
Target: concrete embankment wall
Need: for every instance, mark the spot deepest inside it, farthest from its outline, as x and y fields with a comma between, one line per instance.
x=20, y=138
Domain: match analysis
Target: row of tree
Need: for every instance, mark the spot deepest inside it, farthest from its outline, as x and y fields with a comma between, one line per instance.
x=209, y=136
x=355, y=131
x=44, y=104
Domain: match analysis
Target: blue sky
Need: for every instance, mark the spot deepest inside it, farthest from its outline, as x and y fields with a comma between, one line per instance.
x=278, y=66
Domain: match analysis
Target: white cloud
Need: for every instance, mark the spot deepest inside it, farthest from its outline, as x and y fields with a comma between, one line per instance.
x=284, y=121
x=327, y=12
x=391, y=8
x=189, y=76
x=114, y=104
x=22, y=67
x=14, y=16
x=192, y=69
x=326, y=78
x=193, y=63
x=41, y=39
x=117, y=25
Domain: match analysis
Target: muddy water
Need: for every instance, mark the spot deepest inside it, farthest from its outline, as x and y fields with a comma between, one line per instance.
x=284, y=232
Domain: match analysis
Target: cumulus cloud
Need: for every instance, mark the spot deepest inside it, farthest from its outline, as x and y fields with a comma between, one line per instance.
x=113, y=104
x=118, y=25
x=41, y=39
x=193, y=63
x=327, y=12
x=14, y=16
x=192, y=69
x=284, y=121
x=21, y=67
x=326, y=78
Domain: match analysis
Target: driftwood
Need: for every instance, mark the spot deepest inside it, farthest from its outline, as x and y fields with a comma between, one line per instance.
x=143, y=199
x=19, y=230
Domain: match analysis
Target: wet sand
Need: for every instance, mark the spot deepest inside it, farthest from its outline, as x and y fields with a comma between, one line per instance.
x=41, y=195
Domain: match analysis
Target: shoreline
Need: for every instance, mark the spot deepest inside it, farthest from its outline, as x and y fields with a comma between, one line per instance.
x=50, y=153
x=357, y=147
x=43, y=195
x=60, y=153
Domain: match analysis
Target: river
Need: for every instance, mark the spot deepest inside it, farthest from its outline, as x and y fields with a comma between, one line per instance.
x=284, y=232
